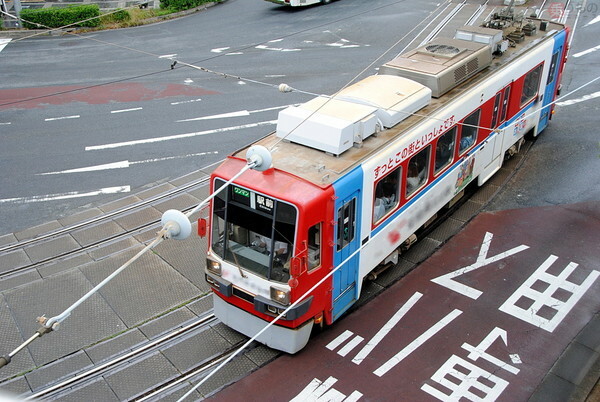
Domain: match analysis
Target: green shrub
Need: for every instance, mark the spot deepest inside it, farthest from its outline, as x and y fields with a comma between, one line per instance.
x=180, y=5
x=115, y=17
x=59, y=17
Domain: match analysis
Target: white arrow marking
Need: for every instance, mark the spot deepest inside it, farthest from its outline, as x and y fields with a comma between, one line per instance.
x=178, y=136
x=125, y=164
x=107, y=166
x=64, y=196
x=219, y=49
x=233, y=114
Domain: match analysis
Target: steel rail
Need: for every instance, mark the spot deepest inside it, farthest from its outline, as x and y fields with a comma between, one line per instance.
x=106, y=216
x=97, y=370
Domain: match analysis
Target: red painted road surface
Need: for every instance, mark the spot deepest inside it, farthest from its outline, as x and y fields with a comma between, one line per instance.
x=29, y=98
x=485, y=317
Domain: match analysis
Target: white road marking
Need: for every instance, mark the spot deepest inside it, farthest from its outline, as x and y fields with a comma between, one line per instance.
x=233, y=53
x=448, y=281
x=3, y=43
x=239, y=113
x=578, y=100
x=318, y=390
x=173, y=157
x=187, y=101
x=125, y=164
x=350, y=345
x=107, y=166
x=277, y=49
x=188, y=81
x=167, y=56
x=545, y=301
x=595, y=20
x=588, y=51
x=274, y=75
x=64, y=196
x=62, y=118
x=219, y=49
x=339, y=340
x=386, y=328
x=126, y=110
x=178, y=136
x=5, y=124
x=420, y=340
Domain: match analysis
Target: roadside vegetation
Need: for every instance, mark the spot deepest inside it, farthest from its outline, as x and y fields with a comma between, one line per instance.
x=89, y=16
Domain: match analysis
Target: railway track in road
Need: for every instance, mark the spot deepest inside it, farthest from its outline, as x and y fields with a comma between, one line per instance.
x=90, y=223
x=62, y=388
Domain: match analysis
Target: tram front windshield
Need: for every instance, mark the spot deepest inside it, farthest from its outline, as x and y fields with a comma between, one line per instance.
x=253, y=232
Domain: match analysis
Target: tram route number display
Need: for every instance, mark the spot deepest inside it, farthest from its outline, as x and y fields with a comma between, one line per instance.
x=253, y=200
x=470, y=381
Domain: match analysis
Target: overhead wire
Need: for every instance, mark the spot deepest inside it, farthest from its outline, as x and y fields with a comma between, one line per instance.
x=164, y=232
x=193, y=64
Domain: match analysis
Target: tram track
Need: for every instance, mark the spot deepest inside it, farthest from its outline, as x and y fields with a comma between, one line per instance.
x=95, y=221
x=62, y=388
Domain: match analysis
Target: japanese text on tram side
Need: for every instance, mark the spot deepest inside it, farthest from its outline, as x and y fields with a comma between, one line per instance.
x=395, y=160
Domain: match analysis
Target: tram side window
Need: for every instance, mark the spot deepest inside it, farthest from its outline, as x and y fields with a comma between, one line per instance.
x=531, y=84
x=505, y=104
x=386, y=194
x=314, y=246
x=553, y=65
x=218, y=224
x=468, y=133
x=444, y=150
x=496, y=112
x=418, y=171
x=346, y=224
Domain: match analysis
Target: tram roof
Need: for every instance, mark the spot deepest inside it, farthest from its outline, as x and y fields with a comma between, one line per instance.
x=323, y=169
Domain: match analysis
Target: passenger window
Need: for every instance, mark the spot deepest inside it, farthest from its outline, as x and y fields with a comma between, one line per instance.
x=496, y=112
x=468, y=132
x=505, y=104
x=531, y=84
x=418, y=171
x=346, y=217
x=314, y=246
x=386, y=195
x=444, y=150
x=553, y=64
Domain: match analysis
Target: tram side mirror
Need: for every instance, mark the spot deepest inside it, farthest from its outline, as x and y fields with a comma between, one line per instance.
x=202, y=227
x=296, y=267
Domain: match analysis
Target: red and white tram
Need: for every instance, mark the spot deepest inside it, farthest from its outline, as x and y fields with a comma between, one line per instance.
x=355, y=175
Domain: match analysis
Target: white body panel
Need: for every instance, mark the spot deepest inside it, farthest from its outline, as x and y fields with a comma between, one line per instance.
x=484, y=160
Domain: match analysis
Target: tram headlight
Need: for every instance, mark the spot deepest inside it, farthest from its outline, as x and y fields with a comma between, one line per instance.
x=213, y=267
x=280, y=296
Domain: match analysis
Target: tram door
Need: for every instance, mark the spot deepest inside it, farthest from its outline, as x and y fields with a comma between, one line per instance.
x=551, y=80
x=347, y=207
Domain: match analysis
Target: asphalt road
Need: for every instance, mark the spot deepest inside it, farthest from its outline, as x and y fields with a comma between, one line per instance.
x=66, y=101
x=88, y=119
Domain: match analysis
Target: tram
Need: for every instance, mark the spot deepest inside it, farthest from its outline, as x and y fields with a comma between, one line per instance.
x=354, y=176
